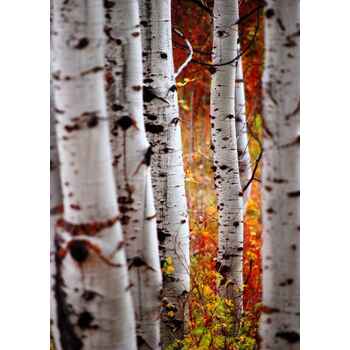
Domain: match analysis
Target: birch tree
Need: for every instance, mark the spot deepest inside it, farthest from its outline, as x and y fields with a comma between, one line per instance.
x=131, y=161
x=163, y=129
x=245, y=169
x=56, y=205
x=279, y=324
x=94, y=304
x=55, y=210
x=226, y=161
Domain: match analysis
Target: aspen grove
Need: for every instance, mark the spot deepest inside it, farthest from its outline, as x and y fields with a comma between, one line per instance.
x=174, y=175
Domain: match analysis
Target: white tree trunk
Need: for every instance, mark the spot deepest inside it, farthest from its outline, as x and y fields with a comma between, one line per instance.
x=226, y=163
x=94, y=305
x=245, y=169
x=164, y=134
x=56, y=209
x=279, y=326
x=131, y=153
x=56, y=201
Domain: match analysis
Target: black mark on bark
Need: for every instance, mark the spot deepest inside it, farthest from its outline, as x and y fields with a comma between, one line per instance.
x=281, y=25
x=85, y=321
x=79, y=251
x=293, y=194
x=82, y=44
x=68, y=338
x=125, y=122
x=92, y=121
x=115, y=107
x=290, y=337
x=108, y=4
x=269, y=13
x=89, y=295
x=154, y=129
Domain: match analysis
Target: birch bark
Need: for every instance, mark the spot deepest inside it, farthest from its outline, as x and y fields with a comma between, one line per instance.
x=245, y=169
x=226, y=162
x=132, y=155
x=56, y=201
x=94, y=305
x=163, y=130
x=56, y=207
x=279, y=325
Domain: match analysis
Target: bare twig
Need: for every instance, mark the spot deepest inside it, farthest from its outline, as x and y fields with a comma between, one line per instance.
x=202, y=6
x=197, y=51
x=246, y=16
x=240, y=20
x=252, y=178
x=243, y=52
x=254, y=171
x=189, y=58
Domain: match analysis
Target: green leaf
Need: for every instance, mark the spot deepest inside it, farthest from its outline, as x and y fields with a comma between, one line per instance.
x=199, y=331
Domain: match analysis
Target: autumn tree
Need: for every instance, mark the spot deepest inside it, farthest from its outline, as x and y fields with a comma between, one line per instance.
x=91, y=285
x=163, y=129
x=279, y=328
x=120, y=252
x=225, y=152
x=131, y=160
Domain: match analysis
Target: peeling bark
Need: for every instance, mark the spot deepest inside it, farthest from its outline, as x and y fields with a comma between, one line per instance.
x=281, y=188
x=163, y=130
x=94, y=304
x=226, y=160
x=131, y=161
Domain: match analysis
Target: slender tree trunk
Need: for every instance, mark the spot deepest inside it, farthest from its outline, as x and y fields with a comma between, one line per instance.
x=94, y=305
x=163, y=128
x=226, y=163
x=245, y=169
x=56, y=201
x=279, y=326
x=56, y=208
x=132, y=156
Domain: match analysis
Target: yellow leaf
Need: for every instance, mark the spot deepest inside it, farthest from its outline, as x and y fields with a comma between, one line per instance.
x=184, y=82
x=171, y=314
x=170, y=269
x=207, y=291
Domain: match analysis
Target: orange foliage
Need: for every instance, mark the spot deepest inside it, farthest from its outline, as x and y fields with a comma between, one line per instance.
x=194, y=99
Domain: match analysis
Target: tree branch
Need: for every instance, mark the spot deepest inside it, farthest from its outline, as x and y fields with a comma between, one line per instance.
x=189, y=58
x=252, y=178
x=240, y=20
x=202, y=6
x=197, y=51
x=243, y=52
x=246, y=16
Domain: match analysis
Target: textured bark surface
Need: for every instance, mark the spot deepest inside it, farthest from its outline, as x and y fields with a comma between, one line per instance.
x=279, y=327
x=245, y=169
x=56, y=207
x=226, y=163
x=131, y=161
x=94, y=304
x=163, y=130
x=56, y=201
